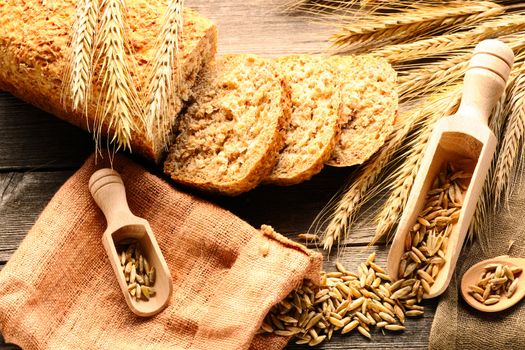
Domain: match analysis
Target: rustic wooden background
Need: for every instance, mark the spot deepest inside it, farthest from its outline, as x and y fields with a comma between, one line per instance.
x=39, y=152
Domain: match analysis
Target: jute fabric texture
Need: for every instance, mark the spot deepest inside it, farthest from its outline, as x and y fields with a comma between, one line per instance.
x=457, y=325
x=58, y=290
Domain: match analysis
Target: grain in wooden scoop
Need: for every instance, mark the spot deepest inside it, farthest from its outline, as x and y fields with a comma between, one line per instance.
x=139, y=274
x=495, y=282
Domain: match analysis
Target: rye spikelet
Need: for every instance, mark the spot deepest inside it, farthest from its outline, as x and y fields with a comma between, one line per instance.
x=421, y=20
x=118, y=107
x=512, y=142
x=446, y=43
x=402, y=180
x=165, y=68
x=79, y=72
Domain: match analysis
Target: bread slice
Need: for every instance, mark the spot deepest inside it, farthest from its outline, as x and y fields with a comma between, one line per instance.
x=369, y=99
x=230, y=137
x=315, y=120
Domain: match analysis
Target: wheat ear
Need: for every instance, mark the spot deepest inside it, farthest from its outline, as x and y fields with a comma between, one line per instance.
x=480, y=223
x=163, y=87
x=79, y=74
x=446, y=43
x=512, y=142
x=403, y=179
x=396, y=27
x=118, y=107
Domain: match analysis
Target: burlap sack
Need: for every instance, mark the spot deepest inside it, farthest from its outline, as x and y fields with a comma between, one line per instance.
x=456, y=324
x=58, y=290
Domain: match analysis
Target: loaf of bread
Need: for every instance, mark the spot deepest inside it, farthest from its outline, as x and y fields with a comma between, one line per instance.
x=315, y=121
x=369, y=107
x=230, y=136
x=34, y=46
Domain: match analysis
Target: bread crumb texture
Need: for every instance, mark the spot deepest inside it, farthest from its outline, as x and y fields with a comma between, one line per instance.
x=315, y=120
x=229, y=138
x=369, y=107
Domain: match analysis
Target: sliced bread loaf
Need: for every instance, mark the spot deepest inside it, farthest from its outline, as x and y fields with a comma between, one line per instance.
x=314, y=124
x=230, y=136
x=369, y=107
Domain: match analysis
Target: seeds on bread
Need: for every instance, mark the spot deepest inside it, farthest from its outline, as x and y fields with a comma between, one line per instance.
x=315, y=120
x=230, y=136
x=369, y=107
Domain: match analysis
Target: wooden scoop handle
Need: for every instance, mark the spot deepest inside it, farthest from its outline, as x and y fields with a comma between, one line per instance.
x=108, y=191
x=485, y=79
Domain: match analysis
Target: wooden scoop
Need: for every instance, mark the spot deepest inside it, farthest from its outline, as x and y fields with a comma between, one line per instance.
x=465, y=140
x=471, y=277
x=108, y=190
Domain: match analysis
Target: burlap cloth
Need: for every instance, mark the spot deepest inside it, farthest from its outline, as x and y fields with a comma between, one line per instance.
x=456, y=324
x=58, y=290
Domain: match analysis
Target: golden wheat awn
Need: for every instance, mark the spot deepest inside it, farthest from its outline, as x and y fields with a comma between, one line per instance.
x=485, y=208
x=449, y=42
x=414, y=83
x=425, y=80
x=163, y=86
x=512, y=141
x=118, y=108
x=422, y=20
x=79, y=72
x=402, y=180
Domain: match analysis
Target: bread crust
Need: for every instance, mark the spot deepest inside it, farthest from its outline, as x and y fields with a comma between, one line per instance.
x=34, y=53
x=210, y=92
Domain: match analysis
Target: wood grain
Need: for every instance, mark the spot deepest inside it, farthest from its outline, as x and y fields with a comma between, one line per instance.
x=22, y=198
x=32, y=139
x=261, y=27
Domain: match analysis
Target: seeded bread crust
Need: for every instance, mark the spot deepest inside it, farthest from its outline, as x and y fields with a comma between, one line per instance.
x=34, y=51
x=315, y=121
x=229, y=138
x=370, y=103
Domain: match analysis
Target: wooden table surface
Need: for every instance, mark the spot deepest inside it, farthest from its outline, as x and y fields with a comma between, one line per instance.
x=39, y=152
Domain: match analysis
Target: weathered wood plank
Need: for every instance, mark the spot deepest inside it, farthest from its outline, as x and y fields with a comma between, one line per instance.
x=22, y=198
x=33, y=139
x=260, y=27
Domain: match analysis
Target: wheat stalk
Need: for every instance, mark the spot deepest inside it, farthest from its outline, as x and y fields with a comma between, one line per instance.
x=394, y=28
x=118, y=106
x=162, y=87
x=512, y=141
x=79, y=71
x=403, y=179
x=446, y=43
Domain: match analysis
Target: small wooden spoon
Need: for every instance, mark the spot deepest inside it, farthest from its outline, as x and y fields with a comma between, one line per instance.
x=465, y=140
x=472, y=276
x=108, y=191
